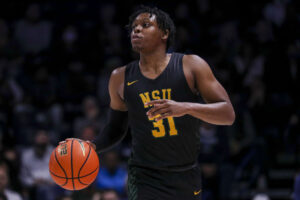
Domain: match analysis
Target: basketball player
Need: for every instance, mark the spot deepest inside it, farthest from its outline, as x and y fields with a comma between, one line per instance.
x=157, y=97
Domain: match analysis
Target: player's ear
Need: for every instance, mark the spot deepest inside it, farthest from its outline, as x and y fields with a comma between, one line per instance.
x=165, y=34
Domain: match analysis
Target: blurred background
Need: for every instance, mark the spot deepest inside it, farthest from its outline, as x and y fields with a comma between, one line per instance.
x=55, y=61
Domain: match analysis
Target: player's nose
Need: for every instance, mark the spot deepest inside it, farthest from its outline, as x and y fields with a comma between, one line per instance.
x=137, y=29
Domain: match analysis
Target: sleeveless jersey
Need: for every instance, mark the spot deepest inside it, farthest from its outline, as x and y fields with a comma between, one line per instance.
x=168, y=144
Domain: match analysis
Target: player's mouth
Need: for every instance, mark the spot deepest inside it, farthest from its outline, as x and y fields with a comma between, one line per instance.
x=136, y=37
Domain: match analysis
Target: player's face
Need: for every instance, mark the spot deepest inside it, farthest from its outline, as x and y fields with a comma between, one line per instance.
x=145, y=34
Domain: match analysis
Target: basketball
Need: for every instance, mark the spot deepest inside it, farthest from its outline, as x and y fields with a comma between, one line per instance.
x=74, y=164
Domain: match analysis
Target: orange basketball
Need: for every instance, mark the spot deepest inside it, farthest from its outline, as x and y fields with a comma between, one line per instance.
x=74, y=164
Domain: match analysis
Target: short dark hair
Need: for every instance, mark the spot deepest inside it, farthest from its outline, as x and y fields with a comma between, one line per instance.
x=163, y=20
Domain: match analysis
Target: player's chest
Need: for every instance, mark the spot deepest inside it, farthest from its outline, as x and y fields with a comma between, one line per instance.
x=137, y=93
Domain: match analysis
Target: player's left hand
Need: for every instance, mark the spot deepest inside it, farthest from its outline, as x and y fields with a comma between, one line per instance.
x=87, y=141
x=91, y=144
x=165, y=108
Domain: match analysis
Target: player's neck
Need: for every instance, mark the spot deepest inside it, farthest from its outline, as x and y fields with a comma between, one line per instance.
x=154, y=60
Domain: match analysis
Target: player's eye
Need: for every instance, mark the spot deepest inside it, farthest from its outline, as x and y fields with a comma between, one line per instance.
x=146, y=24
x=133, y=26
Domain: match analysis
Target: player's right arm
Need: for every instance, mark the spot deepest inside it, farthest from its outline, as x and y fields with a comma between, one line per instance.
x=115, y=128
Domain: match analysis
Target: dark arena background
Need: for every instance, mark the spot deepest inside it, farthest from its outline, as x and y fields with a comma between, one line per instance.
x=55, y=61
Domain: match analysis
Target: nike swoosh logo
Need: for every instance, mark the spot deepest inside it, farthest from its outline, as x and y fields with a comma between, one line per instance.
x=197, y=192
x=132, y=82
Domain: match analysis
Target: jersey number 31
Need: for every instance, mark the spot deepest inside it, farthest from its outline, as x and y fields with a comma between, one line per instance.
x=160, y=130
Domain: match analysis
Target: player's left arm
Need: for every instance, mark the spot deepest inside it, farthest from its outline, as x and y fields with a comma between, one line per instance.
x=217, y=109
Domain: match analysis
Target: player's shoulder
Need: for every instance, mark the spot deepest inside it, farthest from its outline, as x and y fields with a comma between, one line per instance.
x=195, y=64
x=121, y=70
x=118, y=74
x=193, y=60
x=118, y=71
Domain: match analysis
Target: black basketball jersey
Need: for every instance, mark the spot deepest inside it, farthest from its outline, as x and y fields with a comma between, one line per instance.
x=170, y=143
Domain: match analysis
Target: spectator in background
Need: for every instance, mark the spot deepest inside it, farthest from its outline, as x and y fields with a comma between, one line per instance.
x=57, y=123
x=31, y=33
x=11, y=158
x=43, y=81
x=92, y=117
x=23, y=122
x=110, y=195
x=74, y=82
x=97, y=195
x=103, y=79
x=88, y=133
x=34, y=168
x=5, y=193
x=113, y=39
x=241, y=140
x=65, y=198
x=111, y=175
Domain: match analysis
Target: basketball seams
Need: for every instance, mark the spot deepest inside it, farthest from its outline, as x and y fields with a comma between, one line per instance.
x=74, y=177
x=83, y=165
x=60, y=167
x=72, y=164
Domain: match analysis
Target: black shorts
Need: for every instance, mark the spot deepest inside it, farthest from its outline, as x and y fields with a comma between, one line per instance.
x=151, y=184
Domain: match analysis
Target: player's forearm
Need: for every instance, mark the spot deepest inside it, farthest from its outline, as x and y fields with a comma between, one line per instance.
x=113, y=132
x=220, y=113
x=108, y=138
